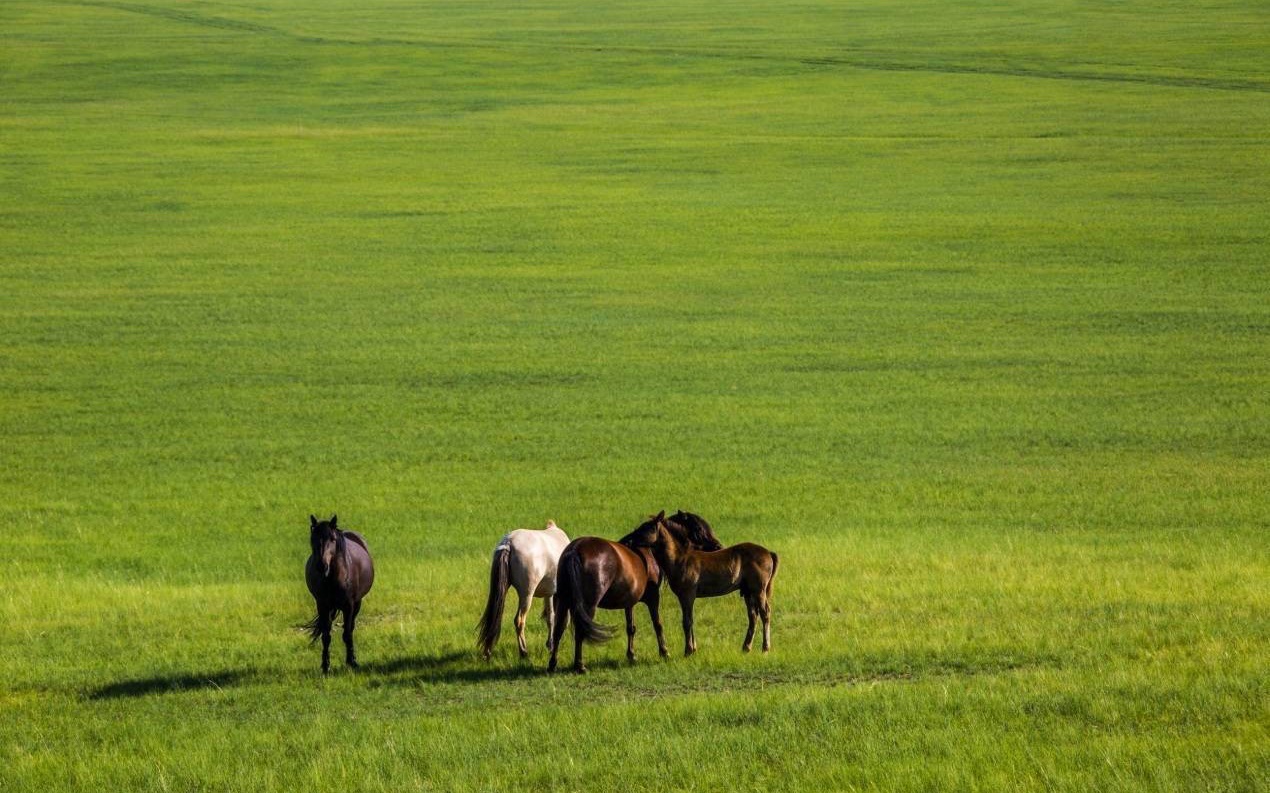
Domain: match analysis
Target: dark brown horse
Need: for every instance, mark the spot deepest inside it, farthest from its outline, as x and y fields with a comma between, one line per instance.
x=696, y=530
x=695, y=573
x=339, y=573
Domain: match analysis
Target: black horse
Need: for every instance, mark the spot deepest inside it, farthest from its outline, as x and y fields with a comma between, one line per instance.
x=339, y=573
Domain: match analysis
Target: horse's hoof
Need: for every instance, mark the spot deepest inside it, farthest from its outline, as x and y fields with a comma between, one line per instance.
x=551, y=667
x=745, y=648
x=580, y=669
x=630, y=657
x=524, y=654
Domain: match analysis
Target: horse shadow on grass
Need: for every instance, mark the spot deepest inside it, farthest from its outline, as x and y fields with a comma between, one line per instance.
x=444, y=667
x=448, y=667
x=166, y=684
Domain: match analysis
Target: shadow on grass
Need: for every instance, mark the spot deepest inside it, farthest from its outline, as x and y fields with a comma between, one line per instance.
x=450, y=667
x=165, y=684
x=446, y=667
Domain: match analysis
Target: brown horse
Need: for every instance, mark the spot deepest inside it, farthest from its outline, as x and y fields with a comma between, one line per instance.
x=695, y=573
x=596, y=573
x=339, y=573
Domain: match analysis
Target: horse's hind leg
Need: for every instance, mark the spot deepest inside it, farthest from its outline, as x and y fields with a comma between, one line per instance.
x=350, y=622
x=630, y=634
x=765, y=611
x=578, y=666
x=549, y=616
x=526, y=598
x=751, y=606
x=559, y=623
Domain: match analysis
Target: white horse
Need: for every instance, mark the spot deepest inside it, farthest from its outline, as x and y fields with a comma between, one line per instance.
x=525, y=559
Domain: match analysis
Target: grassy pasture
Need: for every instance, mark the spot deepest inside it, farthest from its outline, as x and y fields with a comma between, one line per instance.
x=960, y=307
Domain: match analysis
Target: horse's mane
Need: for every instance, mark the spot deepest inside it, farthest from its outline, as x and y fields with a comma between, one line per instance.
x=355, y=537
x=629, y=538
x=696, y=530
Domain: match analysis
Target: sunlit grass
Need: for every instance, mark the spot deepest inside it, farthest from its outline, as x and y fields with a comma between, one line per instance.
x=960, y=310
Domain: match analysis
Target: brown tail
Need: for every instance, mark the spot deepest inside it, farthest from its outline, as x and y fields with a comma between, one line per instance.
x=569, y=587
x=776, y=562
x=491, y=624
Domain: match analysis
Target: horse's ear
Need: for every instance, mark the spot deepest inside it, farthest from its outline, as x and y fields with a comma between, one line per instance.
x=312, y=521
x=334, y=520
x=661, y=516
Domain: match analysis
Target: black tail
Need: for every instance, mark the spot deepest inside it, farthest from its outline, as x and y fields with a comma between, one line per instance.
x=776, y=562
x=569, y=587
x=312, y=627
x=491, y=624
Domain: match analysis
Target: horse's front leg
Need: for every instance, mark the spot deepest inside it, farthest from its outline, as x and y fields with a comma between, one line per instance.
x=630, y=633
x=324, y=630
x=690, y=640
x=350, y=622
x=654, y=612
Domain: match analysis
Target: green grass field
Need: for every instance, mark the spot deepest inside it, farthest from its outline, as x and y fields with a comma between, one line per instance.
x=962, y=308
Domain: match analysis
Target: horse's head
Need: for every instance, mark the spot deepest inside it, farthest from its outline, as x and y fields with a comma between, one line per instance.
x=695, y=531
x=325, y=539
x=648, y=533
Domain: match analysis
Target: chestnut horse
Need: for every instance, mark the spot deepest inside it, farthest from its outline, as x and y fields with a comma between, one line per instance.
x=339, y=573
x=596, y=573
x=695, y=573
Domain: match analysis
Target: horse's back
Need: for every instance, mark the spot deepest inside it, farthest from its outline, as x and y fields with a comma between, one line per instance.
x=754, y=554
x=533, y=558
x=747, y=548
x=530, y=542
x=360, y=540
x=359, y=557
x=611, y=572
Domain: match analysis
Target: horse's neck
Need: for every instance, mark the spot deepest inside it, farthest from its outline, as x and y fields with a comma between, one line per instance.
x=668, y=555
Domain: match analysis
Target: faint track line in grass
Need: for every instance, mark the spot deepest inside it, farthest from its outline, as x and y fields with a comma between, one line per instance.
x=1167, y=81
x=1211, y=83
x=1224, y=84
x=187, y=17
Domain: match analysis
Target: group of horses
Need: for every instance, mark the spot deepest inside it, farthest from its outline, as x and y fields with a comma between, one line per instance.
x=574, y=579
